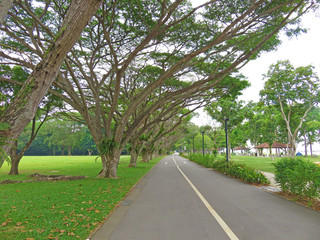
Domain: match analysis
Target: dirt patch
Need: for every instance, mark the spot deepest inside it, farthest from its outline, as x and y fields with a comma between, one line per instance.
x=313, y=203
x=36, y=177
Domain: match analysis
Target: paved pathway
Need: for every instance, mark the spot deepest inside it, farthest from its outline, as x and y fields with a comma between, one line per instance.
x=180, y=200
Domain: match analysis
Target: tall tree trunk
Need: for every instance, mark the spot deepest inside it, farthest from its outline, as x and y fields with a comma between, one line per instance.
x=15, y=159
x=292, y=149
x=23, y=109
x=310, y=142
x=14, y=166
x=62, y=150
x=270, y=151
x=110, y=164
x=133, y=157
x=5, y=6
x=146, y=157
x=305, y=146
x=69, y=151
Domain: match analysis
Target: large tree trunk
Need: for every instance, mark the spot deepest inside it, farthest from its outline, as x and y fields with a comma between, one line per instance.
x=14, y=166
x=22, y=110
x=62, y=150
x=69, y=151
x=146, y=157
x=292, y=149
x=310, y=142
x=305, y=146
x=270, y=151
x=133, y=158
x=5, y=6
x=15, y=159
x=110, y=164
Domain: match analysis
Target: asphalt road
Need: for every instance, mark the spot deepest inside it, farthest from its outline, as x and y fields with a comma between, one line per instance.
x=179, y=199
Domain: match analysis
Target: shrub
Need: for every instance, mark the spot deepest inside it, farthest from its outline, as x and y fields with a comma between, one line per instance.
x=236, y=170
x=298, y=176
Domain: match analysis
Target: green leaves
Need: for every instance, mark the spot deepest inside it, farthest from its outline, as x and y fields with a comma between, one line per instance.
x=3, y=155
x=298, y=176
x=107, y=145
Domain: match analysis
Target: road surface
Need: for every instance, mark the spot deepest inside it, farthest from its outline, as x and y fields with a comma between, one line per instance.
x=179, y=199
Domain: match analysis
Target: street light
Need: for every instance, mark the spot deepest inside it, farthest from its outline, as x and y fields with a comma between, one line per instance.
x=226, y=129
x=193, y=145
x=202, y=132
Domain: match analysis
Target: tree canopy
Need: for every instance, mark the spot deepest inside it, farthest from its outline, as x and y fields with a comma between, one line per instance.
x=294, y=92
x=137, y=63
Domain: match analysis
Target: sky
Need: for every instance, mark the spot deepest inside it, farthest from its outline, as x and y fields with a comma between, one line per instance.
x=302, y=50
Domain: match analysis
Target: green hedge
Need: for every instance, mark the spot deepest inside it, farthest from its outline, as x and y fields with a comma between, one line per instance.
x=298, y=176
x=206, y=160
x=233, y=169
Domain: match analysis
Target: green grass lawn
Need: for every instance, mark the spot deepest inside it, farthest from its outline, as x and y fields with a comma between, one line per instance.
x=263, y=163
x=62, y=209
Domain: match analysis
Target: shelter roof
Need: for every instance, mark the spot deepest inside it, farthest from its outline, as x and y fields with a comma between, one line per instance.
x=241, y=148
x=274, y=145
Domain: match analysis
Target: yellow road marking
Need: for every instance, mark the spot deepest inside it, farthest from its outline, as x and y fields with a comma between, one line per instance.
x=222, y=223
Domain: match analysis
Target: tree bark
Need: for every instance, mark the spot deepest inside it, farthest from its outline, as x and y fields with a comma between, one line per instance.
x=15, y=159
x=146, y=157
x=133, y=158
x=89, y=152
x=5, y=6
x=305, y=146
x=22, y=110
x=270, y=151
x=69, y=151
x=110, y=164
x=310, y=142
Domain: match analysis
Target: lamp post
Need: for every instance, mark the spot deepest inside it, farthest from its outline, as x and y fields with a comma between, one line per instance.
x=202, y=132
x=193, y=145
x=226, y=129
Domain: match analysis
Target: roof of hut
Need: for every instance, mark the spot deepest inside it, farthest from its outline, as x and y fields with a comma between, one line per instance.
x=274, y=145
x=241, y=148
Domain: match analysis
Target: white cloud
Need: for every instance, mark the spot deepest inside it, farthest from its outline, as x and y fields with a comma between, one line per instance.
x=300, y=51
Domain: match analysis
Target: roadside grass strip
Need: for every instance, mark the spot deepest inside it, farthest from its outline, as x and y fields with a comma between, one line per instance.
x=62, y=209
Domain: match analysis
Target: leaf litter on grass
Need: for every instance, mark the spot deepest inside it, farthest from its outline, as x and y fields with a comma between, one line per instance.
x=62, y=210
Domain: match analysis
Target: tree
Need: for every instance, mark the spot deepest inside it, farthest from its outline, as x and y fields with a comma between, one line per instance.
x=127, y=61
x=9, y=92
x=294, y=92
x=23, y=108
x=227, y=108
x=310, y=129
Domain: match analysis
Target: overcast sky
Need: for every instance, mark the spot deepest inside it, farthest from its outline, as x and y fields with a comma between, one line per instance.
x=300, y=51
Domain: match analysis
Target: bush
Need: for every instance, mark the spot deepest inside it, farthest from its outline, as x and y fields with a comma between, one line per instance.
x=298, y=176
x=237, y=170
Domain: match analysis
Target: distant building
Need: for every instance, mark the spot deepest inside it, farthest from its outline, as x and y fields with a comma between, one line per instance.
x=241, y=150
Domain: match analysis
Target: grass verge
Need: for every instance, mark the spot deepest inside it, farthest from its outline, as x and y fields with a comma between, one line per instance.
x=62, y=209
x=263, y=163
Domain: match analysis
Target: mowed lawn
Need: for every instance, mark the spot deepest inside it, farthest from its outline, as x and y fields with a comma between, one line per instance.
x=264, y=163
x=62, y=209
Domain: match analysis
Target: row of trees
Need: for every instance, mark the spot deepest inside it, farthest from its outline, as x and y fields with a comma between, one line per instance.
x=287, y=112
x=137, y=68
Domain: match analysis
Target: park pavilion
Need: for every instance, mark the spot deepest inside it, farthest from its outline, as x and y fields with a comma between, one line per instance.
x=277, y=149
